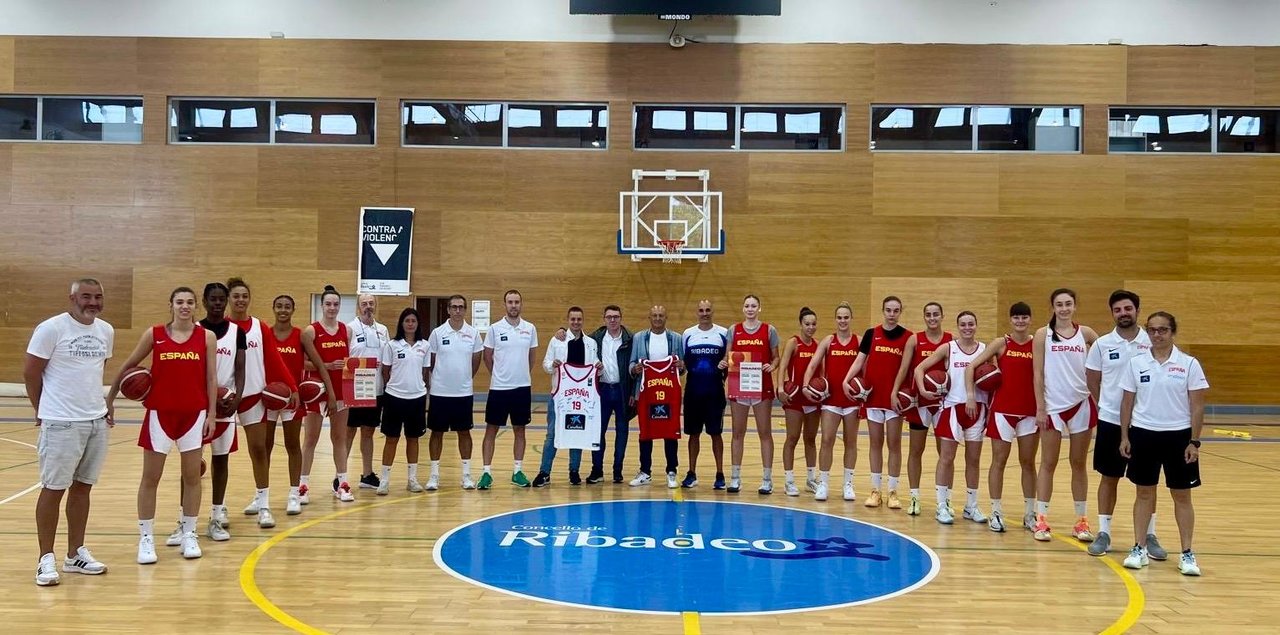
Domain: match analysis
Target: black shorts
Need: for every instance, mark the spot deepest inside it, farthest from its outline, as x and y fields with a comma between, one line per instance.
x=704, y=412
x=409, y=414
x=450, y=414
x=365, y=417
x=1152, y=451
x=515, y=404
x=1106, y=451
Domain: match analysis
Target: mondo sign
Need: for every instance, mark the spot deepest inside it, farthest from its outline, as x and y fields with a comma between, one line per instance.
x=674, y=557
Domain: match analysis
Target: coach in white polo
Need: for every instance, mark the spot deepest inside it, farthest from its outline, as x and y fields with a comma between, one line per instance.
x=63, y=375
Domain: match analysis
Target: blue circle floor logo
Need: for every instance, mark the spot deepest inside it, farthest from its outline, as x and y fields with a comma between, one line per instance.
x=674, y=557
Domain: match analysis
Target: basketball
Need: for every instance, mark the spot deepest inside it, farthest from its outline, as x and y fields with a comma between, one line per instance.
x=310, y=391
x=906, y=400
x=859, y=389
x=987, y=377
x=276, y=395
x=204, y=467
x=738, y=357
x=936, y=381
x=818, y=389
x=136, y=383
x=223, y=394
x=790, y=389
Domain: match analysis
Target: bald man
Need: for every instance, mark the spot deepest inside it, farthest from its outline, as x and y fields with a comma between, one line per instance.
x=366, y=339
x=656, y=344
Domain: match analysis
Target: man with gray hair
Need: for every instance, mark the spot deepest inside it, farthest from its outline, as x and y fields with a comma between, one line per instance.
x=367, y=337
x=63, y=375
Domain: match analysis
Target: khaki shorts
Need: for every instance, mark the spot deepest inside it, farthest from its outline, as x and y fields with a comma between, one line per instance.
x=71, y=450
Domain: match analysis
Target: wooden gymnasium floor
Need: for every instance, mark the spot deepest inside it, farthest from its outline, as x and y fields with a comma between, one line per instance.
x=367, y=567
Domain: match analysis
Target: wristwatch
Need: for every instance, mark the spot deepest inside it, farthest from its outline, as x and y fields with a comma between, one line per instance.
x=1196, y=442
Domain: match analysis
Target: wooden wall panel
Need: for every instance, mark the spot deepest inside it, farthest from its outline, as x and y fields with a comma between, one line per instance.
x=76, y=65
x=561, y=71
x=1067, y=75
x=253, y=238
x=1203, y=309
x=978, y=295
x=6, y=172
x=1232, y=374
x=1266, y=75
x=216, y=68
x=139, y=236
x=32, y=234
x=823, y=73
x=928, y=184
x=6, y=64
x=1061, y=186
x=938, y=73
x=443, y=70
x=1190, y=75
x=657, y=72
x=1189, y=186
x=319, y=68
x=72, y=174
x=217, y=177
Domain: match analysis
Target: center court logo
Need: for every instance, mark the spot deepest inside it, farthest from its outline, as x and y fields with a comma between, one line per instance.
x=668, y=557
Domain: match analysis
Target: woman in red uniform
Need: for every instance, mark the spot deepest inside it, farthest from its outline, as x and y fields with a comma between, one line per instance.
x=327, y=340
x=919, y=418
x=753, y=341
x=179, y=412
x=1013, y=413
x=832, y=360
x=801, y=413
x=880, y=356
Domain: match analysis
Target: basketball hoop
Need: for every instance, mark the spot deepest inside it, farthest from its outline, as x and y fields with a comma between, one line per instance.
x=671, y=250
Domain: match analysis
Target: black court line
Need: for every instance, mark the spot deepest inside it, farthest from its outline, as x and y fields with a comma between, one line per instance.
x=1235, y=460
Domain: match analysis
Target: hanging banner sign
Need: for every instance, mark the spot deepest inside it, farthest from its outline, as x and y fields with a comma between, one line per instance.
x=386, y=249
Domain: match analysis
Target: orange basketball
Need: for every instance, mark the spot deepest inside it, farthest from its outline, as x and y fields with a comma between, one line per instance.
x=738, y=357
x=790, y=389
x=987, y=377
x=310, y=391
x=817, y=389
x=136, y=383
x=276, y=395
x=936, y=381
x=204, y=467
x=223, y=394
x=906, y=400
x=861, y=391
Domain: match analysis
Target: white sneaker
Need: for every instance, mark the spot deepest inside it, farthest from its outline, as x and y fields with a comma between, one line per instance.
x=811, y=485
x=343, y=493
x=641, y=479
x=766, y=487
x=174, y=538
x=47, y=571
x=433, y=483
x=265, y=519
x=1137, y=558
x=384, y=487
x=294, y=506
x=413, y=486
x=147, y=549
x=996, y=522
x=84, y=562
x=735, y=485
x=791, y=489
x=217, y=533
x=191, y=546
x=944, y=515
x=304, y=495
x=820, y=491
x=222, y=518
x=252, y=508
x=1187, y=565
x=974, y=514
x=671, y=481
x=467, y=483
x=849, y=494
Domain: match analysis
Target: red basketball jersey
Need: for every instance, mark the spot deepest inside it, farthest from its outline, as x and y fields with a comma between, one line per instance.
x=290, y=350
x=800, y=358
x=924, y=350
x=658, y=405
x=755, y=348
x=179, y=375
x=881, y=367
x=839, y=360
x=1016, y=394
x=332, y=348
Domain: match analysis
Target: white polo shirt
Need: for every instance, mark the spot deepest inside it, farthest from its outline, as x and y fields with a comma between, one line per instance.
x=511, y=345
x=76, y=352
x=1160, y=390
x=406, y=362
x=367, y=341
x=453, y=351
x=1111, y=355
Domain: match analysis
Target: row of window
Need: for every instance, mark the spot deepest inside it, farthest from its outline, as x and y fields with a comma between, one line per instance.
x=925, y=128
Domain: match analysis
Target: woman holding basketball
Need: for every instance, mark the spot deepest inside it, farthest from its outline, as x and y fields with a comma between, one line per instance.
x=831, y=363
x=961, y=418
x=180, y=409
x=920, y=417
x=1064, y=407
x=801, y=413
x=1012, y=415
x=752, y=341
x=406, y=373
x=232, y=351
x=327, y=340
x=880, y=355
x=262, y=366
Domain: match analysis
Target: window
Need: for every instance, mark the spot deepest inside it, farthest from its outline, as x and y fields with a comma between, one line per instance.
x=220, y=121
x=301, y=121
x=1160, y=130
x=985, y=128
x=739, y=127
x=335, y=122
x=19, y=118
x=1248, y=130
x=501, y=124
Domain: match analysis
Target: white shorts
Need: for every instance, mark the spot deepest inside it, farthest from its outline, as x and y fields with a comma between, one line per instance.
x=843, y=412
x=255, y=414
x=1079, y=418
x=881, y=415
x=71, y=451
x=750, y=403
x=286, y=415
x=929, y=415
x=224, y=437
x=951, y=424
x=188, y=426
x=1009, y=427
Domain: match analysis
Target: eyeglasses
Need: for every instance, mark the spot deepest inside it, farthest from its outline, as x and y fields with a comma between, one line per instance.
x=1158, y=330
x=457, y=307
x=613, y=317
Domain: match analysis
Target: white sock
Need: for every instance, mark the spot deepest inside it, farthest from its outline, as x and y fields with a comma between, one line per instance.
x=188, y=524
x=342, y=478
x=386, y=472
x=790, y=475
x=1082, y=508
x=970, y=498
x=305, y=479
x=264, y=498
x=488, y=469
x=876, y=481
x=848, y=475
x=466, y=467
x=293, y=491
x=435, y=468
x=413, y=471
x=768, y=474
x=217, y=509
x=1042, y=508
x=1028, y=505
x=915, y=492
x=824, y=477
x=893, y=483
x=812, y=471
x=1104, y=523
x=997, y=507
x=144, y=526
x=944, y=495
x=519, y=464
x=1151, y=526
x=735, y=471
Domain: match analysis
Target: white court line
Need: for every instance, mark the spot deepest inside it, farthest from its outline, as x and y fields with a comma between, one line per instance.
x=18, y=442
x=29, y=489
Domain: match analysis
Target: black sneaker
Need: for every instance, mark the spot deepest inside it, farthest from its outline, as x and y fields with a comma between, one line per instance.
x=335, y=483
x=575, y=478
x=617, y=477
x=542, y=479
x=595, y=477
x=370, y=481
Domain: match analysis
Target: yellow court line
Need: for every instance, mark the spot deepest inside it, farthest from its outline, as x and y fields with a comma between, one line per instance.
x=691, y=623
x=1137, y=599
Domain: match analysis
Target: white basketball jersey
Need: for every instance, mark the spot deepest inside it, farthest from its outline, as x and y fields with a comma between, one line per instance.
x=255, y=367
x=227, y=357
x=1064, y=383
x=577, y=402
x=957, y=362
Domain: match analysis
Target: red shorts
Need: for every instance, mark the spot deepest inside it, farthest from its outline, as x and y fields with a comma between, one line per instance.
x=954, y=423
x=161, y=430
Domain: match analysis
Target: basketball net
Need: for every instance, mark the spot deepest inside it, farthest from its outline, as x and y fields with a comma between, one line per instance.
x=671, y=250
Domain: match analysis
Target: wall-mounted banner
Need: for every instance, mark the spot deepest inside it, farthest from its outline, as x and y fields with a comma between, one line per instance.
x=386, y=250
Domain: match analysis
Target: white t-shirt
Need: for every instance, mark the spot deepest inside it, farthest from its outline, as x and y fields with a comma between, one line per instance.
x=658, y=348
x=453, y=351
x=77, y=354
x=558, y=350
x=511, y=346
x=1160, y=390
x=1111, y=355
x=609, y=356
x=367, y=341
x=406, y=362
